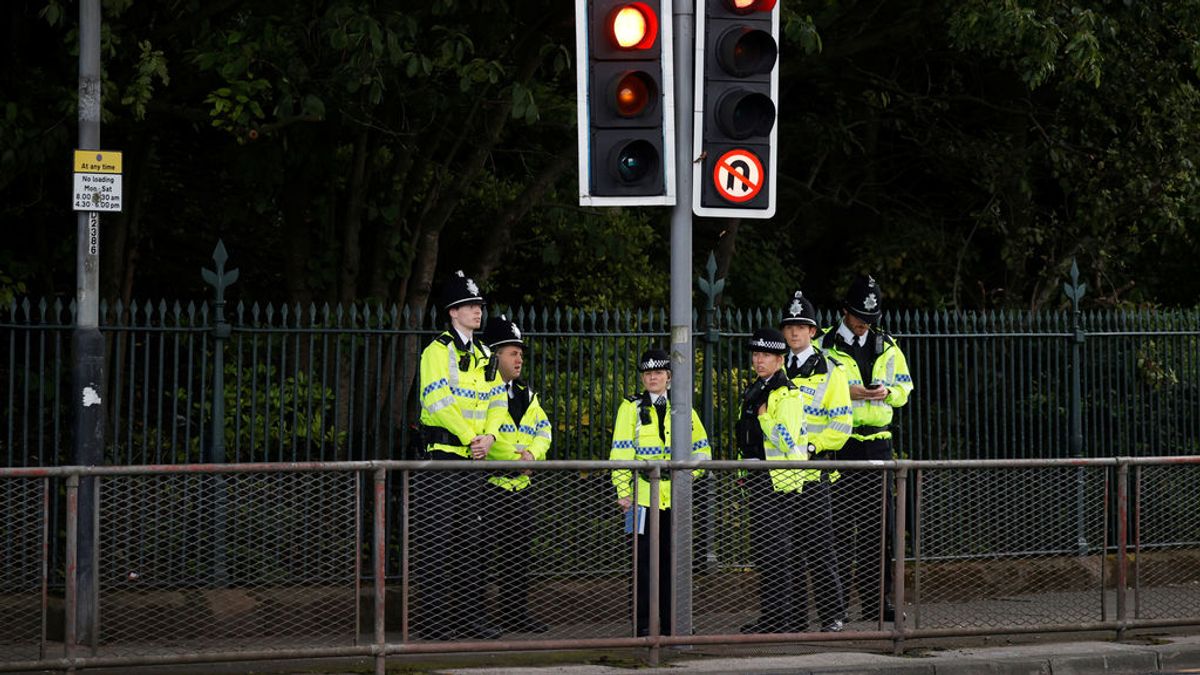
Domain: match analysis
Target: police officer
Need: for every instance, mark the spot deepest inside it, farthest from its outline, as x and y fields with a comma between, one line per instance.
x=642, y=431
x=772, y=428
x=826, y=396
x=524, y=435
x=461, y=413
x=879, y=383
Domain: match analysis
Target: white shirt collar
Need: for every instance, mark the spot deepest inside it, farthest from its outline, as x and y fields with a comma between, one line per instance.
x=849, y=336
x=655, y=398
x=465, y=339
x=802, y=356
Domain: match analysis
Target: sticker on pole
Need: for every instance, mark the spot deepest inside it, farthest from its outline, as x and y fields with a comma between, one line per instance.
x=738, y=176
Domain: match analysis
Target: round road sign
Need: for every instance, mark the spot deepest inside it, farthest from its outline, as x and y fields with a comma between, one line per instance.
x=738, y=175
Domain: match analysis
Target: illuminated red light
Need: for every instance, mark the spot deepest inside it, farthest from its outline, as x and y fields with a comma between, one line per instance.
x=633, y=26
x=748, y=6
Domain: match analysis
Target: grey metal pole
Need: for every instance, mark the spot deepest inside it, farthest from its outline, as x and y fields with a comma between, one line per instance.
x=1075, y=291
x=682, y=359
x=88, y=386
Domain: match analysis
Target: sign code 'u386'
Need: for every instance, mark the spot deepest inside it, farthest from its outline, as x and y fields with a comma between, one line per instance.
x=97, y=180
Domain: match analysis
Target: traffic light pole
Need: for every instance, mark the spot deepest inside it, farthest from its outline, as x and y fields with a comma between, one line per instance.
x=88, y=371
x=682, y=356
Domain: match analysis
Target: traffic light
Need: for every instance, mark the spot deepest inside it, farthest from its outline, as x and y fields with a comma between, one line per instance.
x=625, y=88
x=737, y=86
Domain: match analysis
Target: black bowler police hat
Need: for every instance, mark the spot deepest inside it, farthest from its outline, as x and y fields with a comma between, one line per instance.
x=654, y=359
x=460, y=290
x=799, y=313
x=864, y=299
x=768, y=340
x=499, y=332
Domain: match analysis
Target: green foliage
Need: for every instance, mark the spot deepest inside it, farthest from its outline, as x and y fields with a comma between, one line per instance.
x=965, y=151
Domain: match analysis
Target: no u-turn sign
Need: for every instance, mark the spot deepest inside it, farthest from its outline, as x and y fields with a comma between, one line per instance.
x=734, y=181
x=738, y=175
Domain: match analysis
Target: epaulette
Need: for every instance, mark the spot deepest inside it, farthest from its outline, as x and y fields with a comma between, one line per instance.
x=633, y=397
x=444, y=338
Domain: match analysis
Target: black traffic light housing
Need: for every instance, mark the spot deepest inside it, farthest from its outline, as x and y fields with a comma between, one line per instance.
x=737, y=84
x=626, y=112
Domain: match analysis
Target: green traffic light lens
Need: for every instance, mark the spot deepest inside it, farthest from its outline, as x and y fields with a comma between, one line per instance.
x=636, y=161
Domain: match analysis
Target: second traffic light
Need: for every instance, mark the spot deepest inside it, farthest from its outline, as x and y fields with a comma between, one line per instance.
x=735, y=129
x=625, y=94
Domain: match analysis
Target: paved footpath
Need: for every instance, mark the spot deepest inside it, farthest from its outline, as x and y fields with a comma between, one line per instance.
x=1171, y=651
x=1177, y=654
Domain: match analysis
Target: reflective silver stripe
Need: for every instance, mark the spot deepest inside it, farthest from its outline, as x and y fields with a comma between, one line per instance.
x=774, y=452
x=858, y=403
x=453, y=372
x=700, y=456
x=475, y=414
x=498, y=403
x=543, y=434
x=819, y=394
x=891, y=372
x=438, y=405
x=520, y=447
x=817, y=428
x=838, y=426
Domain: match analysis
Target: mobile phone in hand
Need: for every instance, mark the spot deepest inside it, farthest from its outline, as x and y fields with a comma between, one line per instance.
x=874, y=385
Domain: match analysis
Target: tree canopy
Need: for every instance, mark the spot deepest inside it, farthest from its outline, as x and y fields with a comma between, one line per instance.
x=965, y=151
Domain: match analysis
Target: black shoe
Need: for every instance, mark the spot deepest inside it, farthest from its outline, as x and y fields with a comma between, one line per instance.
x=526, y=624
x=478, y=631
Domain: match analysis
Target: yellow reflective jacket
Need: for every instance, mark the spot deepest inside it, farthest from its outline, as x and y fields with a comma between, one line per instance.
x=635, y=437
x=826, y=394
x=783, y=427
x=456, y=394
x=531, y=433
x=890, y=370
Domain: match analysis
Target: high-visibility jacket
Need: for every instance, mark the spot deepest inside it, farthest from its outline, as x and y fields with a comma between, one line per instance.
x=890, y=369
x=783, y=427
x=456, y=394
x=825, y=390
x=636, y=436
x=531, y=433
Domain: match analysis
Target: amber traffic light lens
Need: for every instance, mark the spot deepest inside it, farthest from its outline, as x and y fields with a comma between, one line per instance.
x=743, y=52
x=633, y=93
x=633, y=26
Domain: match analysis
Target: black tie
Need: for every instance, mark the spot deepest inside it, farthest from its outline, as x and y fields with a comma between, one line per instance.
x=660, y=406
x=795, y=365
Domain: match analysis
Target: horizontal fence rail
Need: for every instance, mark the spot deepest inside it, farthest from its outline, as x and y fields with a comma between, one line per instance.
x=200, y=563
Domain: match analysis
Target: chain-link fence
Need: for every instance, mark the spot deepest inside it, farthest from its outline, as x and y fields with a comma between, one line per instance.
x=24, y=502
x=204, y=563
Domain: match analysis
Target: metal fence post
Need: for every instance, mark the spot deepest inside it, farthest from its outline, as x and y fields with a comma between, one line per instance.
x=710, y=288
x=1075, y=291
x=219, y=280
x=1122, y=542
x=379, y=556
x=898, y=564
x=72, y=567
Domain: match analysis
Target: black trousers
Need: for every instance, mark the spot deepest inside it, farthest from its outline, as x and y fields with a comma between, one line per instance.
x=863, y=523
x=508, y=524
x=665, y=565
x=783, y=605
x=447, y=548
x=817, y=553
